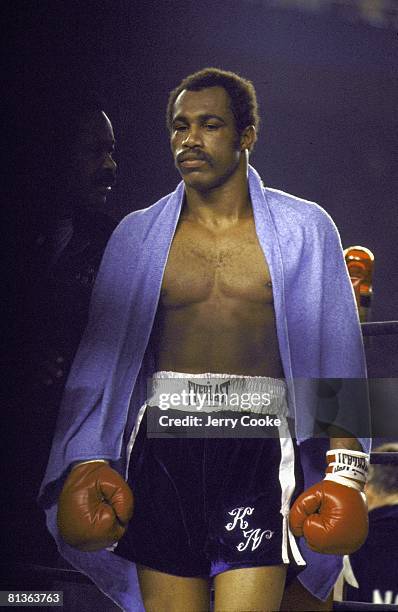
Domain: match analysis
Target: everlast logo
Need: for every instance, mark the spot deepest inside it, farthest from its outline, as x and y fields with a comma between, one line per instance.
x=352, y=461
x=211, y=393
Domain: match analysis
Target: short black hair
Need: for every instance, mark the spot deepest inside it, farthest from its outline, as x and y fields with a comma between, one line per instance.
x=384, y=478
x=241, y=92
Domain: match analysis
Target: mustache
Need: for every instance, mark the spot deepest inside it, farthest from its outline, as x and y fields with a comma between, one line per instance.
x=193, y=156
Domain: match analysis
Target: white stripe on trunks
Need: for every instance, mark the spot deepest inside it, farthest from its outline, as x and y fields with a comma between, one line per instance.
x=175, y=382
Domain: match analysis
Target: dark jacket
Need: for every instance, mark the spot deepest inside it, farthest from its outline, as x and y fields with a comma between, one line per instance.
x=375, y=565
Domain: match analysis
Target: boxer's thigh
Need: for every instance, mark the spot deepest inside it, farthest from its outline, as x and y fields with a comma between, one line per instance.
x=296, y=598
x=258, y=589
x=167, y=530
x=166, y=593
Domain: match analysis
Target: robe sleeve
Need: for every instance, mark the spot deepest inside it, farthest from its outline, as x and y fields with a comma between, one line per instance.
x=343, y=390
x=83, y=415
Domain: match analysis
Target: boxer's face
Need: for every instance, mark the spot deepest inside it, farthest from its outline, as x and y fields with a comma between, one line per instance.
x=92, y=171
x=204, y=139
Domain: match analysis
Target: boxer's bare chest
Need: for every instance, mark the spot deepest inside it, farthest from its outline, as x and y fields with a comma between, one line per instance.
x=211, y=265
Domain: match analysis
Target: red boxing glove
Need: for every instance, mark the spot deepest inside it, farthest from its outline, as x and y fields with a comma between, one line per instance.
x=332, y=515
x=94, y=507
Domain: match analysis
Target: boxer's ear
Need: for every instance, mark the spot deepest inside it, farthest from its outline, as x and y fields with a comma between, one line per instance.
x=248, y=138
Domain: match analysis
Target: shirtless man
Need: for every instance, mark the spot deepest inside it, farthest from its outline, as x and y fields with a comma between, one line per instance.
x=217, y=285
x=216, y=312
x=215, y=317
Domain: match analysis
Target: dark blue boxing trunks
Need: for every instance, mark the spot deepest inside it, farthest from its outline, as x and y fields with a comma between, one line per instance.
x=205, y=504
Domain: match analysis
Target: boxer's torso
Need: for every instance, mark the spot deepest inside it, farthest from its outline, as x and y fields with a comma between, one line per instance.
x=216, y=310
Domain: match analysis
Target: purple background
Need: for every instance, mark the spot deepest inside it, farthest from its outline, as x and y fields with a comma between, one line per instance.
x=326, y=86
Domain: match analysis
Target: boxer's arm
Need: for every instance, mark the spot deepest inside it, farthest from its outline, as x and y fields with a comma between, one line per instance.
x=332, y=514
x=339, y=440
x=346, y=443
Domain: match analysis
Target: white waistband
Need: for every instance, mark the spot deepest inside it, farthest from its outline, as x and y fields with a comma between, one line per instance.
x=214, y=392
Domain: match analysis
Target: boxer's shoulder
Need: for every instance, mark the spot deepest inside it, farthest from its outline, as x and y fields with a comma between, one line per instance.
x=137, y=222
x=298, y=210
